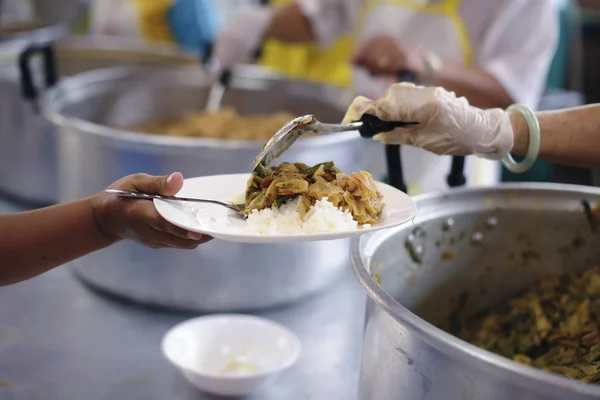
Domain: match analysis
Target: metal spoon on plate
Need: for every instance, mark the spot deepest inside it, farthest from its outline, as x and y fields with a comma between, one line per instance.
x=236, y=208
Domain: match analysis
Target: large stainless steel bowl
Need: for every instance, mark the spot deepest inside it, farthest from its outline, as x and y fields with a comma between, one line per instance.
x=491, y=244
x=49, y=20
x=219, y=275
x=28, y=161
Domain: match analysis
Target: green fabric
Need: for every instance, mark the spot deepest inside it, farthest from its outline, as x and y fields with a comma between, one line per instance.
x=558, y=68
x=542, y=171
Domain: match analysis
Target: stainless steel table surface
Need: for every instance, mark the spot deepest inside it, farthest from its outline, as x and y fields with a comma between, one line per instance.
x=60, y=340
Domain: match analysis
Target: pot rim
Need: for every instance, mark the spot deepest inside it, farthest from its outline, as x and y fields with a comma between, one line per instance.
x=47, y=32
x=97, y=46
x=56, y=94
x=450, y=344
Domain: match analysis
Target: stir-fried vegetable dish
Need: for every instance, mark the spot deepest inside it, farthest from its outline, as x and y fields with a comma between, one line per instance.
x=223, y=124
x=553, y=326
x=355, y=193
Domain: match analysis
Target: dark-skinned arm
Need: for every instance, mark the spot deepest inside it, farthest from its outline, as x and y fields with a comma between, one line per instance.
x=320, y=22
x=290, y=25
x=34, y=242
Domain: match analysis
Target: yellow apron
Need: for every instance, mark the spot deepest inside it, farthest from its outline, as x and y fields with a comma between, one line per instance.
x=449, y=39
x=307, y=61
x=152, y=20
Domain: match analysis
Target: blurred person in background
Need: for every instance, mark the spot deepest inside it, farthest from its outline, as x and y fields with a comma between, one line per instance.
x=494, y=52
x=190, y=24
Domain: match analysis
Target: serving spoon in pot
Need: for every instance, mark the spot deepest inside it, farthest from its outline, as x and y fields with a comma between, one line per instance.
x=368, y=126
x=236, y=208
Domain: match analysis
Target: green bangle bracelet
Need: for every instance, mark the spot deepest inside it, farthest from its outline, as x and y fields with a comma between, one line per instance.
x=534, y=141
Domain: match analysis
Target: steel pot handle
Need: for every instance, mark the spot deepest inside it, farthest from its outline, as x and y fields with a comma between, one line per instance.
x=457, y=172
x=394, y=161
x=393, y=155
x=28, y=89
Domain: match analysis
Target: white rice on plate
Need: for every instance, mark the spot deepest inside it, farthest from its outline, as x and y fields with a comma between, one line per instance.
x=285, y=220
x=323, y=217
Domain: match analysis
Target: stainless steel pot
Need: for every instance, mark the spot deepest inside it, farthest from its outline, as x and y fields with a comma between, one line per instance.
x=28, y=163
x=27, y=160
x=218, y=276
x=50, y=20
x=488, y=243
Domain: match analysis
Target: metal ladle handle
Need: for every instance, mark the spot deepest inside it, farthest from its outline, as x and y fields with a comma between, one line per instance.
x=225, y=77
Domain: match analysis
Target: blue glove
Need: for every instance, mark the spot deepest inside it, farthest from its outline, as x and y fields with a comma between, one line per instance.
x=194, y=23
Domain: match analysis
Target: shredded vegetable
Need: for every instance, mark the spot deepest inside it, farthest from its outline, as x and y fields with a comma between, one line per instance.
x=356, y=193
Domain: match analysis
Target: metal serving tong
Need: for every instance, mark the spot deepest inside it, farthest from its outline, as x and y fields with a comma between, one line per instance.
x=368, y=126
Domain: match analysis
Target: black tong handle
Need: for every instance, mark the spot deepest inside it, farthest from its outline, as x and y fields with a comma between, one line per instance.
x=371, y=126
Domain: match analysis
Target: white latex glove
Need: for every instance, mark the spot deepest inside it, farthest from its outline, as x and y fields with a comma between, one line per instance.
x=447, y=124
x=239, y=40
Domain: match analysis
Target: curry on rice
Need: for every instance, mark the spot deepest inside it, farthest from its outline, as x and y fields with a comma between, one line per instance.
x=356, y=193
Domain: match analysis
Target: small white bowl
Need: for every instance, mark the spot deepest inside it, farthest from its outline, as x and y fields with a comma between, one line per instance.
x=230, y=354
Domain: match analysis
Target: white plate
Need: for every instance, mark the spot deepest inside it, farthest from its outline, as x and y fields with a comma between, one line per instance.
x=218, y=222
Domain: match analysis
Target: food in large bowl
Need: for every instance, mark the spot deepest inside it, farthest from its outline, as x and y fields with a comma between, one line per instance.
x=226, y=123
x=552, y=326
x=506, y=252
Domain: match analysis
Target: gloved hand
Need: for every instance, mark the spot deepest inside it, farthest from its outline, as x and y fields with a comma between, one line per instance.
x=447, y=124
x=193, y=23
x=238, y=42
